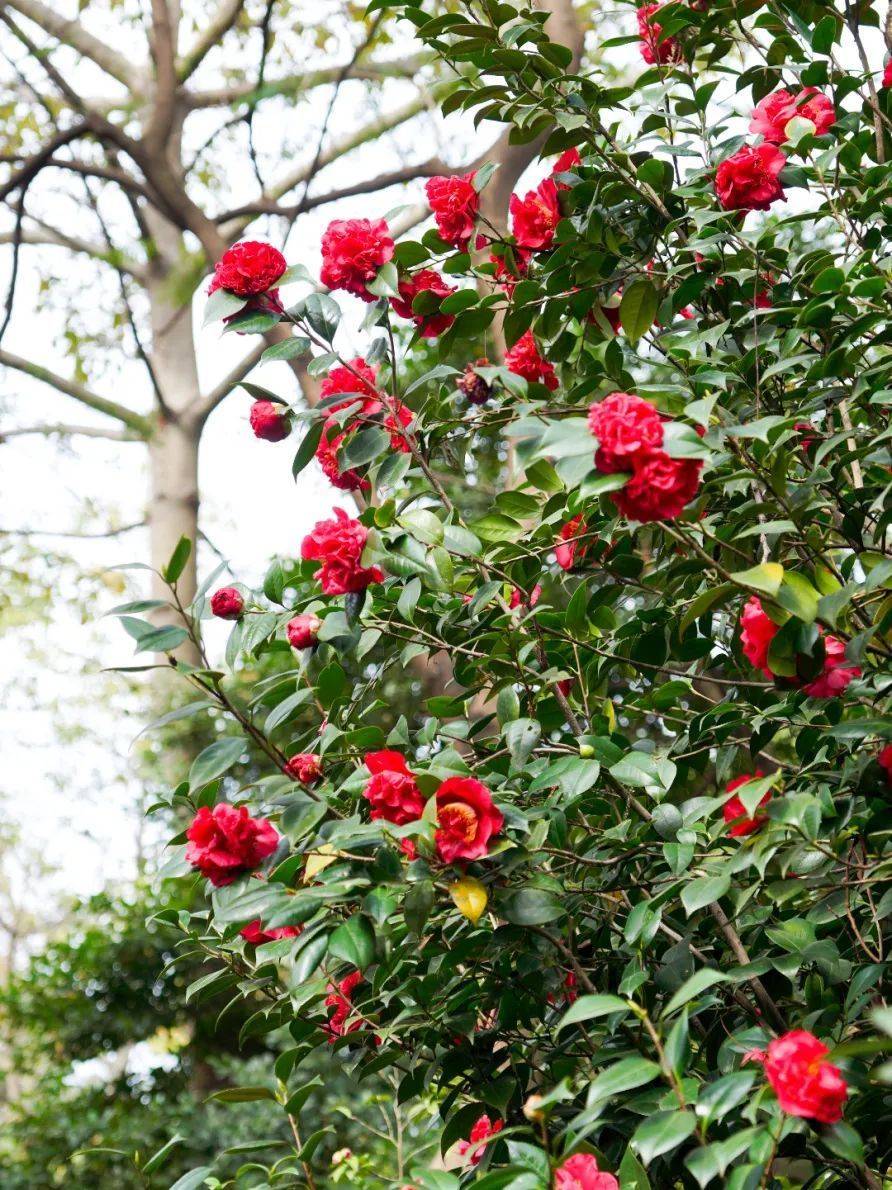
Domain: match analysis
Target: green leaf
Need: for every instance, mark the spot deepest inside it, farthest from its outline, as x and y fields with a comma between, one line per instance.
x=215, y=760
x=692, y=987
x=766, y=578
x=662, y=1132
x=417, y=906
x=386, y=282
x=622, y=1076
x=178, y=560
x=632, y=1174
x=242, y=1094
x=521, y=736
x=354, y=942
x=307, y=448
x=588, y=1008
x=157, y=1159
x=797, y=596
x=532, y=907
x=290, y=348
x=703, y=602
x=638, y=308
x=222, y=304
x=195, y=1177
x=703, y=891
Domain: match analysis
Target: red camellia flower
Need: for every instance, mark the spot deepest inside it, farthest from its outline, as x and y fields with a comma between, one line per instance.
x=391, y=791
x=473, y=1149
x=226, y=842
x=887, y=74
x=749, y=180
x=566, y=550
x=356, y=379
x=339, y=999
x=885, y=762
x=735, y=812
x=455, y=204
x=269, y=422
x=837, y=673
x=424, y=281
x=352, y=252
x=248, y=268
x=520, y=599
x=580, y=1172
x=467, y=819
x=757, y=631
x=257, y=935
x=338, y=544
x=659, y=489
x=805, y=1083
x=305, y=767
x=653, y=49
x=565, y=164
x=535, y=216
x=627, y=428
x=524, y=360
x=773, y=113
x=303, y=630
x=227, y=604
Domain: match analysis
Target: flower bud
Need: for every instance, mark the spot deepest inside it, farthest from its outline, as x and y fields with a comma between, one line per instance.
x=532, y=1109
x=303, y=631
x=227, y=604
x=305, y=767
x=269, y=422
x=586, y=751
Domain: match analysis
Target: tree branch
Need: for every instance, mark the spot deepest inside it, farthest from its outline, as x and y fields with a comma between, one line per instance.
x=297, y=84
x=51, y=237
x=162, y=43
x=214, y=32
x=206, y=405
x=268, y=206
x=65, y=533
x=67, y=431
x=71, y=388
x=73, y=34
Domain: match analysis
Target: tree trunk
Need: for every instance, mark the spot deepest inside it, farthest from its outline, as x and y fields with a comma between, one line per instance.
x=173, y=501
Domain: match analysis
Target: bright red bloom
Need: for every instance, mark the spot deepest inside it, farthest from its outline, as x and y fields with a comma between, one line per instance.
x=884, y=760
x=565, y=164
x=519, y=598
x=227, y=604
x=735, y=812
x=580, y=1172
x=659, y=489
x=327, y=448
x=473, y=1148
x=523, y=359
x=757, y=631
x=305, y=767
x=338, y=544
x=424, y=281
x=627, y=428
x=535, y=216
x=248, y=268
x=805, y=1083
x=391, y=790
x=353, y=250
x=749, y=180
x=653, y=49
x=455, y=204
x=339, y=998
x=837, y=673
x=567, y=548
x=303, y=630
x=467, y=819
x=226, y=841
x=773, y=113
x=356, y=379
x=257, y=935
x=887, y=74
x=269, y=422
x=806, y=431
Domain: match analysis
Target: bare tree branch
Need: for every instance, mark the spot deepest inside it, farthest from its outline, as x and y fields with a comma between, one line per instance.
x=213, y=33
x=208, y=403
x=50, y=237
x=267, y=206
x=65, y=533
x=67, y=431
x=71, y=388
x=298, y=84
x=73, y=34
x=162, y=42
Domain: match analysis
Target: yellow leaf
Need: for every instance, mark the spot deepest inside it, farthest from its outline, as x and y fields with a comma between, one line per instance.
x=470, y=898
x=610, y=714
x=318, y=861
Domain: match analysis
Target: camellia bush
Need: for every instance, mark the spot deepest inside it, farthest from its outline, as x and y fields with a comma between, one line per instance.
x=616, y=893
